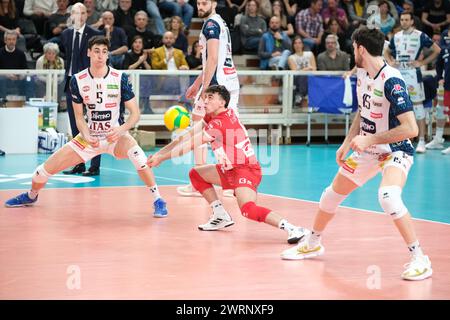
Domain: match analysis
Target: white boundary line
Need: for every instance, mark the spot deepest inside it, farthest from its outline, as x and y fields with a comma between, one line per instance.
x=365, y=210
x=265, y=194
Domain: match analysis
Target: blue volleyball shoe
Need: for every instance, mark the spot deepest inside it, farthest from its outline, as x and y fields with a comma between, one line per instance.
x=22, y=200
x=160, y=208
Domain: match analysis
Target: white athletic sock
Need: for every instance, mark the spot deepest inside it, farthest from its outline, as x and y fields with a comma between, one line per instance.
x=155, y=192
x=422, y=140
x=415, y=249
x=439, y=133
x=218, y=209
x=32, y=194
x=285, y=225
x=314, y=239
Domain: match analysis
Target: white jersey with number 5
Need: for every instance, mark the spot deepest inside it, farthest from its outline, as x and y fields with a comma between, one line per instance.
x=225, y=74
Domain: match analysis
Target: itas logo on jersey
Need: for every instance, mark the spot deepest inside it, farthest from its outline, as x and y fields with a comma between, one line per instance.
x=101, y=115
x=368, y=126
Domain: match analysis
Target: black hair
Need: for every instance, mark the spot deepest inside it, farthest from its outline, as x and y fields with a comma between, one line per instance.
x=371, y=39
x=222, y=91
x=98, y=40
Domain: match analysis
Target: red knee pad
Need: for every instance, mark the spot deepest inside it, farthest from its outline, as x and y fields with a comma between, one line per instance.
x=198, y=182
x=251, y=211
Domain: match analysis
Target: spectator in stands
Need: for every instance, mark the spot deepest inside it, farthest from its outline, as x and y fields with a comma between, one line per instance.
x=8, y=22
x=384, y=19
x=333, y=59
x=274, y=47
x=436, y=17
x=124, y=16
x=167, y=57
x=357, y=11
x=12, y=58
x=301, y=61
x=252, y=27
x=138, y=59
x=179, y=8
x=117, y=38
x=39, y=11
x=103, y=5
x=291, y=8
x=265, y=8
x=94, y=18
x=152, y=9
x=229, y=9
x=151, y=40
x=408, y=6
x=57, y=22
x=333, y=11
x=49, y=60
x=391, y=7
x=309, y=24
x=333, y=27
x=194, y=60
x=176, y=26
x=286, y=22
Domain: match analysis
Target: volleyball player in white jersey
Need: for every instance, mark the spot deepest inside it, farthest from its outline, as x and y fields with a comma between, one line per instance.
x=403, y=53
x=101, y=90
x=379, y=137
x=218, y=68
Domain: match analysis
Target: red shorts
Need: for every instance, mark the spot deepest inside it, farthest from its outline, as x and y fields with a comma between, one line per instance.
x=447, y=102
x=248, y=176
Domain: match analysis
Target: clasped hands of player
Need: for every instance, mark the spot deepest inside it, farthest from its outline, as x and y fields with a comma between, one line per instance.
x=112, y=136
x=358, y=144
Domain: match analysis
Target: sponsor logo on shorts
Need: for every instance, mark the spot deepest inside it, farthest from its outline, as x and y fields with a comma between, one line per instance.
x=368, y=126
x=245, y=181
x=101, y=115
x=350, y=165
x=86, y=88
x=376, y=115
x=378, y=93
x=112, y=86
x=110, y=105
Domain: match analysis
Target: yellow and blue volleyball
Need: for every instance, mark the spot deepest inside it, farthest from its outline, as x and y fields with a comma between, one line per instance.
x=176, y=117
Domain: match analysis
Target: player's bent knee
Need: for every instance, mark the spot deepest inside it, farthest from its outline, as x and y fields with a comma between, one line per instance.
x=198, y=182
x=137, y=157
x=251, y=211
x=390, y=198
x=41, y=175
x=330, y=200
x=440, y=113
x=419, y=111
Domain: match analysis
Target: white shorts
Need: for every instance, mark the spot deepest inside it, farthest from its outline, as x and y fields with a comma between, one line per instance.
x=199, y=107
x=415, y=88
x=86, y=152
x=361, y=167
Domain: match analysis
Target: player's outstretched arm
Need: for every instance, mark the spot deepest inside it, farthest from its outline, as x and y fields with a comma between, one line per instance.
x=198, y=127
x=181, y=148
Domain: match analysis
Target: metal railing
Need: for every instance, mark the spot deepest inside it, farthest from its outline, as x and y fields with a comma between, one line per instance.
x=282, y=114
